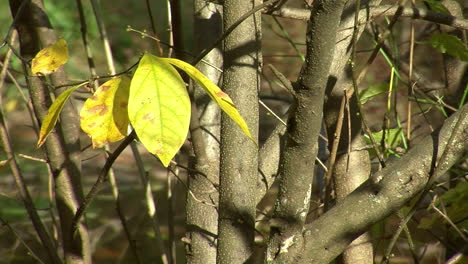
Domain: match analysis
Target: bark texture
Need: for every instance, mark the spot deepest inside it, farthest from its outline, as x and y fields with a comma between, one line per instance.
x=386, y=191
x=202, y=216
x=301, y=138
x=356, y=161
x=62, y=145
x=239, y=165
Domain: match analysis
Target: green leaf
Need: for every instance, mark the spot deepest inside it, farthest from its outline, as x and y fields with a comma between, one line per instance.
x=104, y=116
x=52, y=116
x=159, y=107
x=449, y=44
x=48, y=60
x=221, y=98
x=437, y=6
x=393, y=138
x=372, y=91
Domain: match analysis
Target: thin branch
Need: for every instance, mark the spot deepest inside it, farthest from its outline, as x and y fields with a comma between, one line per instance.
x=454, y=226
x=111, y=175
x=101, y=178
x=268, y=4
x=28, y=248
x=150, y=203
x=103, y=34
x=84, y=38
x=24, y=193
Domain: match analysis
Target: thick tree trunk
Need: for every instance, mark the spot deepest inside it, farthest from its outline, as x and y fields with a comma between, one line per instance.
x=62, y=146
x=202, y=216
x=301, y=142
x=239, y=165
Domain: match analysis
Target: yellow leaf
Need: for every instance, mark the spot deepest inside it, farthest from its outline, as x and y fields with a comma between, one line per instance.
x=48, y=60
x=221, y=98
x=159, y=107
x=104, y=116
x=54, y=111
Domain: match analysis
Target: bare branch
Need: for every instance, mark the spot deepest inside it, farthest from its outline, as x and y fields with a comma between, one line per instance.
x=384, y=10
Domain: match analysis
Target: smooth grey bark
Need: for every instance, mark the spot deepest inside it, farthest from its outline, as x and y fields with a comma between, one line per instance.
x=386, y=191
x=301, y=139
x=201, y=215
x=62, y=145
x=239, y=165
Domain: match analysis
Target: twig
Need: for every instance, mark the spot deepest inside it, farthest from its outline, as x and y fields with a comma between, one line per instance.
x=103, y=34
x=272, y=112
x=448, y=219
x=100, y=77
x=410, y=77
x=333, y=153
x=171, y=219
x=32, y=158
x=284, y=81
x=30, y=251
x=150, y=202
x=434, y=174
x=170, y=29
x=24, y=193
x=7, y=40
x=189, y=191
x=101, y=178
x=289, y=39
x=126, y=228
x=268, y=4
x=113, y=181
x=84, y=38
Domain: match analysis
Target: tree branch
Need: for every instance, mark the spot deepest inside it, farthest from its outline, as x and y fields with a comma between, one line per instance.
x=301, y=138
x=238, y=163
x=62, y=146
x=201, y=218
x=386, y=192
x=384, y=10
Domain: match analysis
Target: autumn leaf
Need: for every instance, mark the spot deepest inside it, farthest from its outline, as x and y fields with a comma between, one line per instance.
x=53, y=114
x=104, y=116
x=159, y=107
x=48, y=60
x=221, y=98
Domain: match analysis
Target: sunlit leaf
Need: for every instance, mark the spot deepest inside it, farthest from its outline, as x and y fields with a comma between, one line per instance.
x=221, y=98
x=48, y=60
x=159, y=107
x=104, y=116
x=372, y=91
x=52, y=116
x=449, y=44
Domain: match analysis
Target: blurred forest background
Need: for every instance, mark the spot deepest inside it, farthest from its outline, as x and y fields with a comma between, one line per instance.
x=283, y=46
